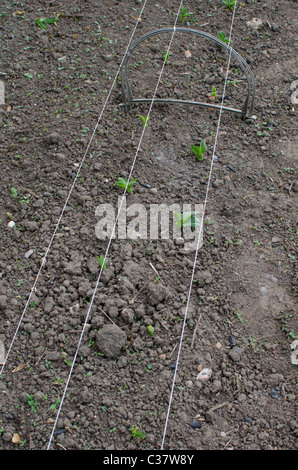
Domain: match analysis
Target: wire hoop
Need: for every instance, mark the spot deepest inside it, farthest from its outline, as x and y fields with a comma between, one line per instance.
x=247, y=109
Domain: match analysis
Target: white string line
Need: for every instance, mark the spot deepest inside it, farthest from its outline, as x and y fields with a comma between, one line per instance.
x=112, y=234
x=70, y=192
x=199, y=236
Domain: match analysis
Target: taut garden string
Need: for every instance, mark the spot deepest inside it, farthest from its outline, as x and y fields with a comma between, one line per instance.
x=114, y=227
x=33, y=289
x=199, y=236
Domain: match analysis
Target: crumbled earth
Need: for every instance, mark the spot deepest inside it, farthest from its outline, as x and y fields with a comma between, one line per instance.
x=114, y=345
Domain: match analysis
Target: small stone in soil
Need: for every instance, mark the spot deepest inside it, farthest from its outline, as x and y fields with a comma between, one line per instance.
x=29, y=253
x=195, y=424
x=204, y=375
x=274, y=393
x=60, y=431
x=235, y=354
x=52, y=138
x=232, y=341
x=231, y=168
x=153, y=191
x=247, y=419
x=110, y=340
x=11, y=224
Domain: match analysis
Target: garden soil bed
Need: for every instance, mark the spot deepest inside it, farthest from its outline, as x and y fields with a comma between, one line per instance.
x=241, y=322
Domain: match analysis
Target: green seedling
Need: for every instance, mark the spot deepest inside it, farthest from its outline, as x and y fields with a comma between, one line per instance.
x=184, y=14
x=102, y=262
x=13, y=193
x=229, y=3
x=199, y=151
x=123, y=183
x=31, y=402
x=69, y=363
x=186, y=220
x=150, y=330
x=166, y=57
x=222, y=37
x=144, y=120
x=44, y=22
x=213, y=93
x=136, y=433
x=55, y=405
x=238, y=315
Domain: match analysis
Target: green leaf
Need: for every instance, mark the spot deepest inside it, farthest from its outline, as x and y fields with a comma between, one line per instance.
x=178, y=219
x=199, y=151
x=13, y=192
x=102, y=262
x=188, y=219
x=222, y=37
x=144, y=120
x=203, y=147
x=150, y=330
x=123, y=183
x=229, y=3
x=165, y=57
x=184, y=13
x=43, y=22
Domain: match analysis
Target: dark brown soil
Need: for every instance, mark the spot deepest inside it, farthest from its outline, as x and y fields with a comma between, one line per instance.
x=61, y=385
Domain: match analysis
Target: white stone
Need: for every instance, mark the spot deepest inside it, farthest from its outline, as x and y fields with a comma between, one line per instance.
x=255, y=23
x=204, y=375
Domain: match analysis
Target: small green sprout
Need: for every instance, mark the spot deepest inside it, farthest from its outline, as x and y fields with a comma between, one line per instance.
x=144, y=120
x=222, y=37
x=186, y=220
x=166, y=57
x=184, y=14
x=150, y=329
x=123, y=183
x=43, y=22
x=13, y=192
x=239, y=316
x=229, y=3
x=31, y=402
x=199, y=151
x=102, y=262
x=135, y=432
x=55, y=405
x=213, y=93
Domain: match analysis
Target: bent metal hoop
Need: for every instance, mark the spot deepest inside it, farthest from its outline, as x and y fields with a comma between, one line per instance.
x=128, y=100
